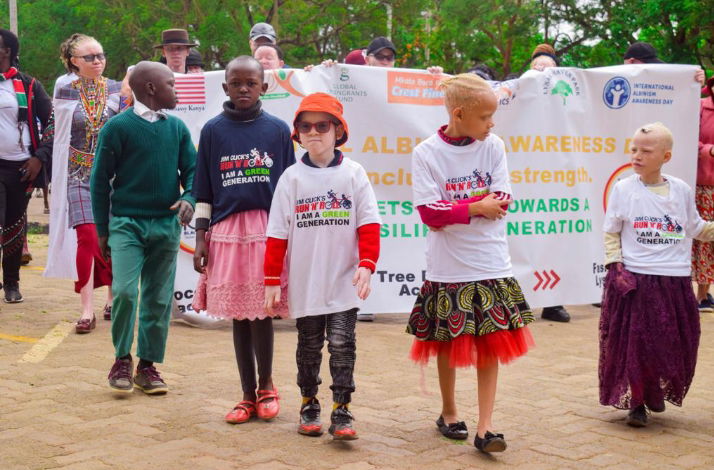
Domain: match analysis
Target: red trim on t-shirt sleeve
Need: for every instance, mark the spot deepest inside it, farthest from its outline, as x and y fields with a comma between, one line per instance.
x=499, y=195
x=368, y=242
x=275, y=250
x=441, y=213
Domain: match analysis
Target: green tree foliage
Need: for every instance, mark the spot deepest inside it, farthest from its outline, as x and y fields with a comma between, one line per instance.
x=455, y=34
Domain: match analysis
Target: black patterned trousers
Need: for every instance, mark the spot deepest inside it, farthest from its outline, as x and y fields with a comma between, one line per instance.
x=14, y=196
x=339, y=329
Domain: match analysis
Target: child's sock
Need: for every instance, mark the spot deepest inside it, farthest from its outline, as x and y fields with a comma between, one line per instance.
x=143, y=364
x=306, y=400
x=336, y=405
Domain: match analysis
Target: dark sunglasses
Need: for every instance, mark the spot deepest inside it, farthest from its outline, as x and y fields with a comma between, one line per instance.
x=384, y=57
x=321, y=126
x=90, y=57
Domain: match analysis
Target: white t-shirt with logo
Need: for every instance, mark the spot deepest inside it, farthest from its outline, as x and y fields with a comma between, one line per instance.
x=656, y=231
x=441, y=171
x=14, y=141
x=318, y=210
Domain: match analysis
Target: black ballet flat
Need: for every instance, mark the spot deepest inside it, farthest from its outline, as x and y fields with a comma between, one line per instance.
x=455, y=430
x=490, y=442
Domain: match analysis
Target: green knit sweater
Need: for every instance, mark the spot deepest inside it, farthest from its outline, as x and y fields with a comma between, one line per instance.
x=140, y=165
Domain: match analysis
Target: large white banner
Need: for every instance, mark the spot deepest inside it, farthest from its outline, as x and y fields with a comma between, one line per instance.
x=567, y=135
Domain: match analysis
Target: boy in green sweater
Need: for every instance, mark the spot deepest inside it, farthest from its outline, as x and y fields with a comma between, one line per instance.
x=142, y=156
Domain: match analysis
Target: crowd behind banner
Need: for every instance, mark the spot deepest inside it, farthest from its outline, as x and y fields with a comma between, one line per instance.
x=485, y=198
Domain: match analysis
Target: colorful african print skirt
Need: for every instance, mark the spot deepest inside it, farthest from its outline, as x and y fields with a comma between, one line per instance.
x=475, y=323
x=703, y=252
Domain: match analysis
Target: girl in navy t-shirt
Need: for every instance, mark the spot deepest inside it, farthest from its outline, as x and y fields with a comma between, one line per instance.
x=241, y=154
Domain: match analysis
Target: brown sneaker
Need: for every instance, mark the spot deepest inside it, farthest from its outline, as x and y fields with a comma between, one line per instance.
x=149, y=381
x=107, y=312
x=120, y=376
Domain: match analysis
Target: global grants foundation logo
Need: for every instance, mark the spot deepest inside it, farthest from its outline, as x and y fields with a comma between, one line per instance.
x=616, y=93
x=561, y=82
x=343, y=89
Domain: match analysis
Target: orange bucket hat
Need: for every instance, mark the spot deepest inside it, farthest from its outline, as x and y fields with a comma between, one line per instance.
x=321, y=103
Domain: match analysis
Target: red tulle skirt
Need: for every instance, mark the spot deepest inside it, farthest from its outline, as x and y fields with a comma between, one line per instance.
x=478, y=323
x=478, y=351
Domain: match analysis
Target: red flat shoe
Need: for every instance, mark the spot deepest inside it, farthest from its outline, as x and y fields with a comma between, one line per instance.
x=85, y=325
x=241, y=413
x=268, y=410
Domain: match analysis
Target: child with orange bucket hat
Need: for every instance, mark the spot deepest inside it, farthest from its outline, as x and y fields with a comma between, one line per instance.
x=324, y=218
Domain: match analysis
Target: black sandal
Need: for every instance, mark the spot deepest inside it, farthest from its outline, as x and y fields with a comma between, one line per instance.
x=455, y=430
x=490, y=442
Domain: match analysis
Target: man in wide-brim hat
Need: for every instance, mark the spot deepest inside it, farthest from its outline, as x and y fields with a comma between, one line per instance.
x=175, y=47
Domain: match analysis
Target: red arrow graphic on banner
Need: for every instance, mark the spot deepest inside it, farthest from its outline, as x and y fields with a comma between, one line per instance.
x=544, y=279
x=540, y=280
x=556, y=278
x=547, y=280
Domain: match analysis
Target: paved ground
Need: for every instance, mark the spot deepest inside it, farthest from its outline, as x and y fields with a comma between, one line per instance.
x=57, y=412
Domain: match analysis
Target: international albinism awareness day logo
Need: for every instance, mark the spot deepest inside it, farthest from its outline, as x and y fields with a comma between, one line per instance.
x=616, y=93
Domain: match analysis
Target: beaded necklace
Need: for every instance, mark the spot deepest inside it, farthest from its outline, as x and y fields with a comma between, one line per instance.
x=93, y=98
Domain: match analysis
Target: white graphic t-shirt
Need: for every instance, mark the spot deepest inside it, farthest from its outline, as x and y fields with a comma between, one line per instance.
x=656, y=231
x=14, y=141
x=463, y=252
x=318, y=210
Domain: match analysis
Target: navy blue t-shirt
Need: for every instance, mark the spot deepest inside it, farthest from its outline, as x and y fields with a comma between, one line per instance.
x=239, y=163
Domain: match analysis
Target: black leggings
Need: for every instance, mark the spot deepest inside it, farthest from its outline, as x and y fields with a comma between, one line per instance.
x=253, y=342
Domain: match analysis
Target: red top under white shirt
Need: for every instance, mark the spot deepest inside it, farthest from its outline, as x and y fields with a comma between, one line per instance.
x=469, y=248
x=327, y=221
x=442, y=213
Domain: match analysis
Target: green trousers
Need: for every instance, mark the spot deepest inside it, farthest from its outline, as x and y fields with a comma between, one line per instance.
x=143, y=249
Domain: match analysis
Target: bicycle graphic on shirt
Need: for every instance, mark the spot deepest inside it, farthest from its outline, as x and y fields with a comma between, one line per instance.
x=336, y=202
x=480, y=180
x=256, y=160
x=672, y=226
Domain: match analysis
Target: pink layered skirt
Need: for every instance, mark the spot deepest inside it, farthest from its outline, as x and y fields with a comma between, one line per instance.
x=232, y=287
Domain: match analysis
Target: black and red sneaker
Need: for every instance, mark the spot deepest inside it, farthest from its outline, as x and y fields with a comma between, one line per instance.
x=341, y=427
x=310, y=424
x=120, y=378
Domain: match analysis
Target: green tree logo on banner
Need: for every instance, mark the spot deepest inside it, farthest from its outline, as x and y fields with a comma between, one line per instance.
x=563, y=89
